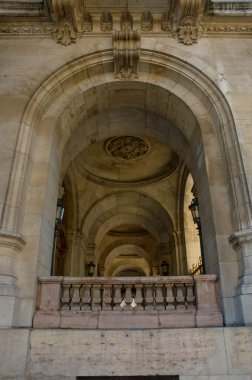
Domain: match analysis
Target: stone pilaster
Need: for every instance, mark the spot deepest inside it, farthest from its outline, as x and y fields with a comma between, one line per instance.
x=208, y=312
x=242, y=244
x=11, y=245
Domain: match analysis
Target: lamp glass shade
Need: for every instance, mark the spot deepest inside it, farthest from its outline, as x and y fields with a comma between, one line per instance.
x=60, y=211
x=165, y=268
x=91, y=267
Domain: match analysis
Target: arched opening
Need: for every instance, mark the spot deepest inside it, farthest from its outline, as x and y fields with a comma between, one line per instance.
x=176, y=107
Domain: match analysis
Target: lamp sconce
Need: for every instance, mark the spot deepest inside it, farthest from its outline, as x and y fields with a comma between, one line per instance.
x=60, y=211
x=194, y=208
x=165, y=268
x=58, y=220
x=91, y=267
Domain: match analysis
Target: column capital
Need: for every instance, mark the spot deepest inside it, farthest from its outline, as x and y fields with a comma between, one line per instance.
x=241, y=238
x=11, y=239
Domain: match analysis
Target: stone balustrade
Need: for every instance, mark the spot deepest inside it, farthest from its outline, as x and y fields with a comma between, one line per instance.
x=127, y=302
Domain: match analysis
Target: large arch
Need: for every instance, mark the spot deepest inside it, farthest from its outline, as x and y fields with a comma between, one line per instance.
x=212, y=154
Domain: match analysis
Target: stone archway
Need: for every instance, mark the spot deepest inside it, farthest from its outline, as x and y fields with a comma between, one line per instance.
x=202, y=133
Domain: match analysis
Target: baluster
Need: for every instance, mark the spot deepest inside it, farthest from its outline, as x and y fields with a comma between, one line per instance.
x=170, y=305
x=107, y=297
x=85, y=303
x=75, y=300
x=128, y=295
x=96, y=299
x=65, y=299
x=180, y=296
x=149, y=297
x=190, y=297
x=159, y=297
x=139, y=297
x=117, y=297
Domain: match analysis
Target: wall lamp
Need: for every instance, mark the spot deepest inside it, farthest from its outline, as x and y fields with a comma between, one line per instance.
x=58, y=220
x=165, y=268
x=194, y=208
x=91, y=267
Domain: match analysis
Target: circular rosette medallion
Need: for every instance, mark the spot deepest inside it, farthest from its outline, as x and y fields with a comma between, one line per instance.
x=127, y=147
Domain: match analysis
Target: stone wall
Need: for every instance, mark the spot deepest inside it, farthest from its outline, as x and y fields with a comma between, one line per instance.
x=193, y=354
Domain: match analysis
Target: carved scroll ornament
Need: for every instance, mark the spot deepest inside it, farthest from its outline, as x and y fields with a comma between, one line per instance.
x=126, y=44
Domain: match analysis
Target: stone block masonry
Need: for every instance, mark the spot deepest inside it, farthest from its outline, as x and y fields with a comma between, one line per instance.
x=191, y=354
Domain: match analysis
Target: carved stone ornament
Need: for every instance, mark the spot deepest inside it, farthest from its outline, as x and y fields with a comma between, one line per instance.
x=126, y=20
x=165, y=21
x=87, y=22
x=66, y=33
x=67, y=26
x=106, y=22
x=127, y=147
x=147, y=21
x=187, y=32
x=67, y=20
x=186, y=21
x=126, y=44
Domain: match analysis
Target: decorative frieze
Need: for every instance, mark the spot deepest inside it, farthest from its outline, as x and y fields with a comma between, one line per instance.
x=31, y=29
x=226, y=28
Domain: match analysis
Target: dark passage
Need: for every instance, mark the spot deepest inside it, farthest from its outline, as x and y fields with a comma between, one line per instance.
x=166, y=377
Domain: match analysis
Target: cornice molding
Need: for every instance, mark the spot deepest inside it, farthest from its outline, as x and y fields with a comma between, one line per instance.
x=186, y=20
x=11, y=239
x=49, y=29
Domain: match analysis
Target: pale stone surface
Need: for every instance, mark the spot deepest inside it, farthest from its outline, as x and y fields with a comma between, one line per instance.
x=184, y=352
x=239, y=353
x=13, y=353
x=163, y=352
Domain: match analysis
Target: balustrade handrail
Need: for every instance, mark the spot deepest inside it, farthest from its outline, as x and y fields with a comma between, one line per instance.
x=123, y=280
x=192, y=298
